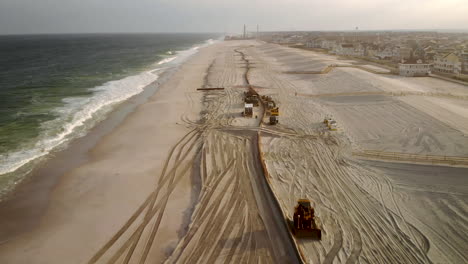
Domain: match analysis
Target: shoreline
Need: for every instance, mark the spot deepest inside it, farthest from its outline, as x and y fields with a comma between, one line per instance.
x=82, y=113
x=28, y=201
x=42, y=206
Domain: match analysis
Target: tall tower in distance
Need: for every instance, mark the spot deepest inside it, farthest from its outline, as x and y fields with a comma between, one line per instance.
x=243, y=36
x=257, y=32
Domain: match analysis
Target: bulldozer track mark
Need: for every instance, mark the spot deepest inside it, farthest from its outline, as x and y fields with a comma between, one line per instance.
x=161, y=212
x=460, y=254
x=135, y=238
x=408, y=226
x=337, y=245
x=373, y=222
x=148, y=203
x=357, y=247
x=358, y=250
x=367, y=212
x=210, y=235
x=200, y=215
x=236, y=243
x=109, y=244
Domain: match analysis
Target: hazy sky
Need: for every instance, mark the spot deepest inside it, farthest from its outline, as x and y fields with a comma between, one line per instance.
x=73, y=16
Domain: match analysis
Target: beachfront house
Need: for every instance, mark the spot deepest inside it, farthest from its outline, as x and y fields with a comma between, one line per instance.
x=348, y=49
x=448, y=63
x=411, y=68
x=371, y=50
x=464, y=61
x=406, y=53
x=314, y=43
x=328, y=44
x=385, y=54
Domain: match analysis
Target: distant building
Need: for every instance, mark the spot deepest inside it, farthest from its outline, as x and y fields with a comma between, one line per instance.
x=385, y=54
x=348, y=49
x=429, y=54
x=396, y=56
x=447, y=63
x=464, y=61
x=315, y=43
x=419, y=53
x=370, y=50
x=328, y=44
x=406, y=53
x=414, y=69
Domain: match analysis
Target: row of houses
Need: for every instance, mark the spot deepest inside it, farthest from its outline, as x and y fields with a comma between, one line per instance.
x=441, y=61
x=451, y=63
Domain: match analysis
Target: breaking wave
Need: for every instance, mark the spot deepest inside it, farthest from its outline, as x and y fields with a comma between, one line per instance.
x=79, y=114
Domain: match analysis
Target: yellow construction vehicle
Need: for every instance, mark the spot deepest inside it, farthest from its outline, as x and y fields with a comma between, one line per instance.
x=304, y=223
x=274, y=111
x=332, y=125
x=270, y=105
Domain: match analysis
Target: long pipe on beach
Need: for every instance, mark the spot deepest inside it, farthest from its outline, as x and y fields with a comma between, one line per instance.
x=266, y=199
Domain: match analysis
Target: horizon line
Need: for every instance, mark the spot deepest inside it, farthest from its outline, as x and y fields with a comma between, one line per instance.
x=437, y=30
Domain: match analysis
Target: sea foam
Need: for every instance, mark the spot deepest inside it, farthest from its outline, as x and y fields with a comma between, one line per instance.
x=74, y=114
x=78, y=113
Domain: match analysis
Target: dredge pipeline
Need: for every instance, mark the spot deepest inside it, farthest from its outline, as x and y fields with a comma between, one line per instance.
x=265, y=181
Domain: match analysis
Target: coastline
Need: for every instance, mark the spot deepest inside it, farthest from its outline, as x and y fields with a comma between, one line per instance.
x=46, y=199
x=22, y=207
x=75, y=112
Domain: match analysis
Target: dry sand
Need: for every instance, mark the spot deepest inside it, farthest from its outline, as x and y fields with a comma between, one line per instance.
x=372, y=212
x=180, y=181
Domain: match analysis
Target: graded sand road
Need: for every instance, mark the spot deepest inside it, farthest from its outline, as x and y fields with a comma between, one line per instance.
x=372, y=212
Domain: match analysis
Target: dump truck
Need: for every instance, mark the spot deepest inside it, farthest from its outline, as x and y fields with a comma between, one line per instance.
x=248, y=110
x=305, y=223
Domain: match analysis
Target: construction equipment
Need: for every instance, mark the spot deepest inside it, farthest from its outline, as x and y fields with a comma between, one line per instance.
x=274, y=111
x=305, y=223
x=274, y=115
x=274, y=120
x=270, y=105
x=248, y=110
x=332, y=125
x=251, y=98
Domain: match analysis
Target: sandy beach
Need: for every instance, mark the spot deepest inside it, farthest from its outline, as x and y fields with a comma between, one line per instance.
x=92, y=201
x=180, y=178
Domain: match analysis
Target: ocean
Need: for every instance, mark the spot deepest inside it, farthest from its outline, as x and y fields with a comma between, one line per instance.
x=54, y=88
